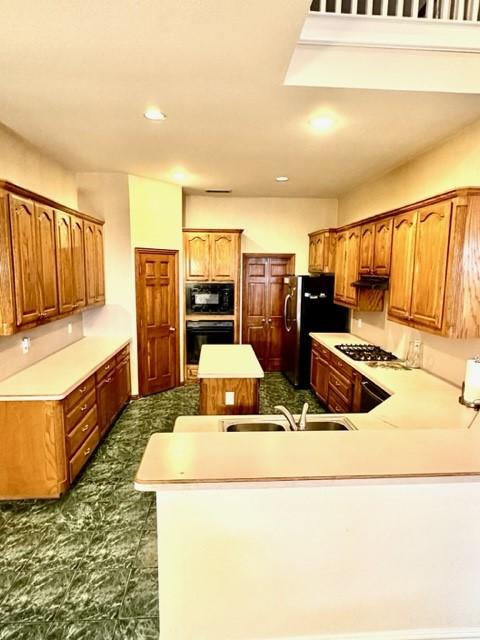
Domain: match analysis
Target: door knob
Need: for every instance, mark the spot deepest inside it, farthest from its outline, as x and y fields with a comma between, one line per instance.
x=172, y=329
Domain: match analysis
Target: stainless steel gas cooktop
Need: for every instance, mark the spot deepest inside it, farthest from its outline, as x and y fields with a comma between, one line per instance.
x=365, y=352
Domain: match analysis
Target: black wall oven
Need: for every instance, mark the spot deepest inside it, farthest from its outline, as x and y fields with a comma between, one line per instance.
x=210, y=297
x=200, y=332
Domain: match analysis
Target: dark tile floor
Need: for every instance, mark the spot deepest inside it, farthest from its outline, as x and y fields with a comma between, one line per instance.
x=85, y=566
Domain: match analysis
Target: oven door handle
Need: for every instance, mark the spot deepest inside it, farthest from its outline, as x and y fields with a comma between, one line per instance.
x=371, y=393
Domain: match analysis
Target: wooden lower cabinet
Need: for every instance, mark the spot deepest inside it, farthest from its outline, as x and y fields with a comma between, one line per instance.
x=46, y=443
x=320, y=371
x=334, y=382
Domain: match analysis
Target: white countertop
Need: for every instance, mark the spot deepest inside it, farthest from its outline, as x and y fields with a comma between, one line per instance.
x=55, y=376
x=419, y=399
x=173, y=458
x=228, y=361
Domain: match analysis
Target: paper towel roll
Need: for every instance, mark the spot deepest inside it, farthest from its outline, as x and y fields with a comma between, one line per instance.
x=472, y=380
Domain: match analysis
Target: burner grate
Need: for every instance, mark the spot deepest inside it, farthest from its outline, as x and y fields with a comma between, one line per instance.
x=365, y=352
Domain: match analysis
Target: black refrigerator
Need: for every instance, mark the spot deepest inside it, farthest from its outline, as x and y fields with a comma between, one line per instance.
x=307, y=307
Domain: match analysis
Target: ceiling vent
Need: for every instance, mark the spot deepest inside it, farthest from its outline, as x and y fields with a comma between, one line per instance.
x=218, y=191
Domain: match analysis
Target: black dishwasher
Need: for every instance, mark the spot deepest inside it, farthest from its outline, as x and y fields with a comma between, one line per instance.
x=372, y=396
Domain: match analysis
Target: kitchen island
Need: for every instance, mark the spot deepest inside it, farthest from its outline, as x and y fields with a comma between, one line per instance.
x=229, y=376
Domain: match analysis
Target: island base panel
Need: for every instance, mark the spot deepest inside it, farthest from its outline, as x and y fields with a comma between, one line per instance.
x=212, y=396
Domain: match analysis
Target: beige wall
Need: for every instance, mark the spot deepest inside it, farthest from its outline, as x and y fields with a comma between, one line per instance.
x=138, y=212
x=106, y=196
x=23, y=164
x=454, y=163
x=271, y=225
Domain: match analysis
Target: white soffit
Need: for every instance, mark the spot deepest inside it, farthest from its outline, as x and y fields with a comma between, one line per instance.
x=375, y=52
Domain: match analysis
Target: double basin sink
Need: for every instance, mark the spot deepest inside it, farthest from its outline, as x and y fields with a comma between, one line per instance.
x=277, y=423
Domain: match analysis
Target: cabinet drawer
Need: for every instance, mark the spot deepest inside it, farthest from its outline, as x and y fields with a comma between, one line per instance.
x=81, y=432
x=341, y=385
x=323, y=352
x=83, y=454
x=79, y=393
x=79, y=410
x=341, y=366
x=108, y=367
x=336, y=403
x=123, y=355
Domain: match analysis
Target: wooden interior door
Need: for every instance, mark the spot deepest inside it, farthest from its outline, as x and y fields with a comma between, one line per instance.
x=255, y=289
x=45, y=231
x=157, y=319
x=278, y=268
x=25, y=260
x=263, y=305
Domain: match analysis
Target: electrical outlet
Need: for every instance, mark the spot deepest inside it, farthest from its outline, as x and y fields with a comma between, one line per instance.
x=359, y=323
x=229, y=398
x=69, y=328
x=25, y=345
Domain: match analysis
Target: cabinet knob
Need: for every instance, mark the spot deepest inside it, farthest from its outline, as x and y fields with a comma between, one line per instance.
x=87, y=451
x=269, y=321
x=84, y=407
x=263, y=320
x=172, y=329
x=82, y=389
x=85, y=428
x=107, y=380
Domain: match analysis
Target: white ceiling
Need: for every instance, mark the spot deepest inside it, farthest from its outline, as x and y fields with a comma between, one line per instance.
x=76, y=76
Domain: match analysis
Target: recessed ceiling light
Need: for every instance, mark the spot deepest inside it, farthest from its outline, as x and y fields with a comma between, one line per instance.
x=152, y=113
x=281, y=179
x=179, y=176
x=321, y=123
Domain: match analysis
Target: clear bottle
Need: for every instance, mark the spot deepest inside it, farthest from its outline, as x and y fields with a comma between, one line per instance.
x=414, y=357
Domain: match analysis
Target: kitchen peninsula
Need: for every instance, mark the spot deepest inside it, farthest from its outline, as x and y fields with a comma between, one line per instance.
x=229, y=376
x=305, y=533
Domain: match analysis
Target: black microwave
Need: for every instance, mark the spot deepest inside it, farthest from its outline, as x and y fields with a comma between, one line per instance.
x=211, y=297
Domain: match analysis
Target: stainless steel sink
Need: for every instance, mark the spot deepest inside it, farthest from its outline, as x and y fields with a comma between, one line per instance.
x=255, y=426
x=316, y=422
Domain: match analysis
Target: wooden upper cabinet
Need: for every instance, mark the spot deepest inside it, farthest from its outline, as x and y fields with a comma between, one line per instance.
x=47, y=268
x=211, y=255
x=353, y=251
x=382, y=252
x=224, y=252
x=24, y=254
x=340, y=267
x=63, y=241
x=197, y=256
x=78, y=262
x=94, y=269
x=430, y=265
x=403, y=255
x=376, y=248
x=42, y=259
x=321, y=251
x=367, y=242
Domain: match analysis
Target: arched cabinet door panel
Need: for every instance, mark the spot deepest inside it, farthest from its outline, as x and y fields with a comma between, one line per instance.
x=25, y=260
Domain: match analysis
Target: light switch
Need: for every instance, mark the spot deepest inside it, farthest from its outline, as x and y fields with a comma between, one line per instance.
x=229, y=398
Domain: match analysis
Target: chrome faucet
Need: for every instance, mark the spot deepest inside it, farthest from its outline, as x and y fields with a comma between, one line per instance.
x=291, y=420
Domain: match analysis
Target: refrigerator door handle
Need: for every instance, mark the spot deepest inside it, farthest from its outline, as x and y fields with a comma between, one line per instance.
x=288, y=327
